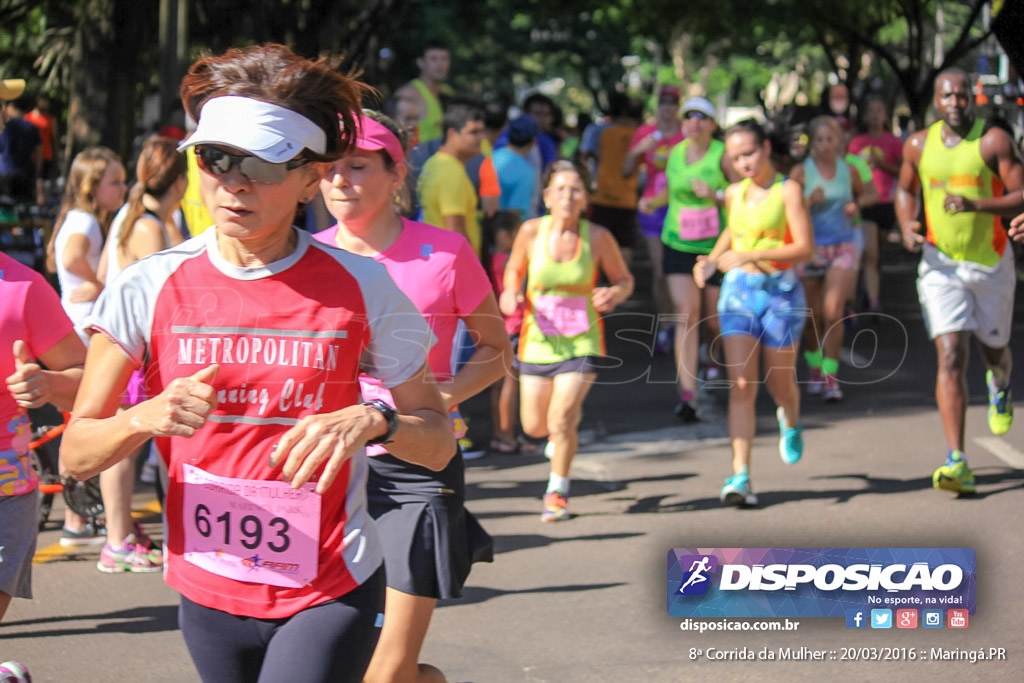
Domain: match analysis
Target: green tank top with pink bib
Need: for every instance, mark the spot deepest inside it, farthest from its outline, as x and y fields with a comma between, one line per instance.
x=560, y=321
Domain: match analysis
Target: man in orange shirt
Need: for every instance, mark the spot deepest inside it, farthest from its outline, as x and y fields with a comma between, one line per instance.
x=41, y=118
x=613, y=203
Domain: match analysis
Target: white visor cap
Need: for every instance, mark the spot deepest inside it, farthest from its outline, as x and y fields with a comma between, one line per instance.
x=268, y=131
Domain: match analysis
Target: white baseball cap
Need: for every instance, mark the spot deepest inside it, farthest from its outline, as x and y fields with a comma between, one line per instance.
x=268, y=131
x=700, y=104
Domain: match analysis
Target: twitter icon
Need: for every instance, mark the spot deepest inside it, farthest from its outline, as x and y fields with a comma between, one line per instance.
x=881, y=618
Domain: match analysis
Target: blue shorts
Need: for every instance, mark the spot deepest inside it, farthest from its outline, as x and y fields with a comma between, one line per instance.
x=767, y=306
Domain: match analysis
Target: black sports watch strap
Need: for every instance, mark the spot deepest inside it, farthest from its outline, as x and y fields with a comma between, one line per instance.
x=389, y=414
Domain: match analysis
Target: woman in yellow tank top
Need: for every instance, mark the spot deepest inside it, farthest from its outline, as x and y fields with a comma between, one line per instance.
x=761, y=308
x=562, y=331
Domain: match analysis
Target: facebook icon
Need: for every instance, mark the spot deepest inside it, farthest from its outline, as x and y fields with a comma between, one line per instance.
x=855, y=618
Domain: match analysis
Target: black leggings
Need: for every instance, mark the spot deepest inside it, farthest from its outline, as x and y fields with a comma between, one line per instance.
x=332, y=641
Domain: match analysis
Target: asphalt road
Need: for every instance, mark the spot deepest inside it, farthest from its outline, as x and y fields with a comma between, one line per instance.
x=585, y=600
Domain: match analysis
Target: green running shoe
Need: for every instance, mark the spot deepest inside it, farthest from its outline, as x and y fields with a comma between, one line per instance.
x=1000, y=407
x=954, y=475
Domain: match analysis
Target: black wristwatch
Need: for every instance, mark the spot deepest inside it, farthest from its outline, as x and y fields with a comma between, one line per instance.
x=389, y=414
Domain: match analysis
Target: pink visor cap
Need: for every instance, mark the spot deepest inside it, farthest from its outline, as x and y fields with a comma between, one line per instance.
x=374, y=136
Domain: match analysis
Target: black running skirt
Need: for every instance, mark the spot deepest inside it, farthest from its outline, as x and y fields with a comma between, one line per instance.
x=430, y=539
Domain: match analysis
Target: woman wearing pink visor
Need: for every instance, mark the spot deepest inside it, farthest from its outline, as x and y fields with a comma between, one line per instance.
x=252, y=338
x=430, y=539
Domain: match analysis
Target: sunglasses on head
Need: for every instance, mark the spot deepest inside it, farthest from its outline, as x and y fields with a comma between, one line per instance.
x=218, y=162
x=699, y=115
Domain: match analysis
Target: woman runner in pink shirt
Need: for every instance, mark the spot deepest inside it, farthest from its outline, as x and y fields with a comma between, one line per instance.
x=430, y=539
x=32, y=325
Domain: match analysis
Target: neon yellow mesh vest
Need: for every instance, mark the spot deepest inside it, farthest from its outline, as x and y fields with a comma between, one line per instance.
x=960, y=170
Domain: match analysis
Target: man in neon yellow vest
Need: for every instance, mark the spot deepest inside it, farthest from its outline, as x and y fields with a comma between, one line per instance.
x=960, y=166
x=426, y=91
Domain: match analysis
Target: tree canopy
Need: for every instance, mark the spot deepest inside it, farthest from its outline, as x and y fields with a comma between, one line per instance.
x=99, y=58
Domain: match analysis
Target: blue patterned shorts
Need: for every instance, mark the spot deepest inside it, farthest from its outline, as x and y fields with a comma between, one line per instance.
x=767, y=306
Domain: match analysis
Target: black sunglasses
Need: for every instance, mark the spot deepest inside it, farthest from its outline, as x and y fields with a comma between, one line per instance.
x=699, y=115
x=218, y=162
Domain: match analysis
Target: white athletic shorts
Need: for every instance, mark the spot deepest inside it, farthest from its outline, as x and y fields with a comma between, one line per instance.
x=963, y=296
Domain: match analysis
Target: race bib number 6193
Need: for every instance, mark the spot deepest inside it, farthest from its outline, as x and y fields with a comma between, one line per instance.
x=248, y=530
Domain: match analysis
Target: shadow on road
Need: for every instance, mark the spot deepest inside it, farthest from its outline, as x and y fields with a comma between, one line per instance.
x=473, y=595
x=510, y=542
x=151, y=619
x=985, y=476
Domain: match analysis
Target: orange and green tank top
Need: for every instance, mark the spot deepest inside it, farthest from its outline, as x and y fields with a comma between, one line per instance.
x=430, y=125
x=560, y=320
x=960, y=170
x=762, y=226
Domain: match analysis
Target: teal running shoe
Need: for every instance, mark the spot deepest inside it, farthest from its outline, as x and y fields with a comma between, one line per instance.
x=737, y=491
x=955, y=475
x=1000, y=407
x=791, y=440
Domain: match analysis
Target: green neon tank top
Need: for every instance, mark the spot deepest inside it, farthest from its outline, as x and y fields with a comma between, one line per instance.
x=692, y=224
x=430, y=125
x=560, y=320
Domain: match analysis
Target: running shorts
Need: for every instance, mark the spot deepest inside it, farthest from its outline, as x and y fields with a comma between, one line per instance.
x=19, y=527
x=583, y=364
x=844, y=255
x=961, y=296
x=767, y=306
x=882, y=215
x=652, y=223
x=675, y=262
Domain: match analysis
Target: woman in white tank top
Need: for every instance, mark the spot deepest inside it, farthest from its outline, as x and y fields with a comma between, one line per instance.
x=94, y=191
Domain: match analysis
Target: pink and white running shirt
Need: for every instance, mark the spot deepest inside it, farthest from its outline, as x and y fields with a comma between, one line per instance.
x=29, y=310
x=439, y=271
x=291, y=339
x=655, y=160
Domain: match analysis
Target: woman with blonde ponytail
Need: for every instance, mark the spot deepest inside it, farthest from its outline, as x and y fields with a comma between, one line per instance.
x=94, y=192
x=95, y=189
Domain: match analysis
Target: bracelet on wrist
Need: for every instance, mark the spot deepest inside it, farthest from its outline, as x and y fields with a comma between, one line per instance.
x=390, y=416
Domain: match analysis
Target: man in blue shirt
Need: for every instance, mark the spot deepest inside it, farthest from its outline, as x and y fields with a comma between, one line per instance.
x=517, y=176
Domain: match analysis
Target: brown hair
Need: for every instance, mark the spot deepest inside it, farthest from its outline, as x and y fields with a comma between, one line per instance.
x=563, y=166
x=87, y=170
x=273, y=73
x=160, y=165
x=825, y=121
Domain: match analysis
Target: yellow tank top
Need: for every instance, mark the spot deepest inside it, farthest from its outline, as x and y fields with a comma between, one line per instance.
x=762, y=226
x=197, y=218
x=960, y=170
